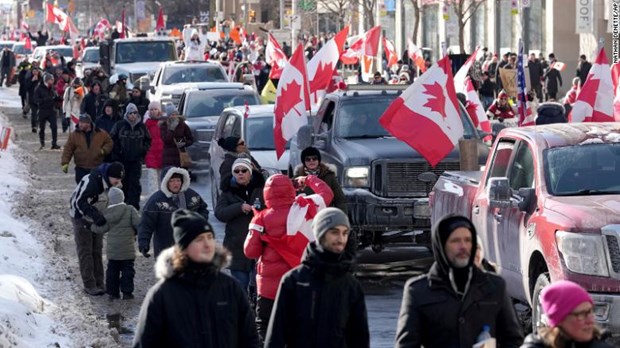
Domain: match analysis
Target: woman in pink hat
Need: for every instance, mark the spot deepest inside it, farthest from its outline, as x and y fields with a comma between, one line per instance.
x=570, y=317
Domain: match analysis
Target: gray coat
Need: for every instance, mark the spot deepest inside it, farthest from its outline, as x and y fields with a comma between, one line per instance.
x=121, y=224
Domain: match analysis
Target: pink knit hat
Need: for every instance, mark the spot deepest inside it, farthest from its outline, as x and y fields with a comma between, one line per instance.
x=560, y=298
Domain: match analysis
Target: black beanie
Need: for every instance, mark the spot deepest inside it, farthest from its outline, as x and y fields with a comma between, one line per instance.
x=310, y=151
x=187, y=226
x=116, y=170
x=447, y=226
x=229, y=143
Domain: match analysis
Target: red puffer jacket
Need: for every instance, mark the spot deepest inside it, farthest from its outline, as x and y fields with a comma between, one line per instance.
x=153, y=158
x=279, y=195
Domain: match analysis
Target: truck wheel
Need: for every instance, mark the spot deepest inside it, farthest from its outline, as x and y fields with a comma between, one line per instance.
x=537, y=311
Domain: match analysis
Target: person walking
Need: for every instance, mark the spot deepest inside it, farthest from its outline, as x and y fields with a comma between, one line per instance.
x=242, y=195
x=7, y=64
x=583, y=69
x=174, y=194
x=23, y=71
x=570, y=317
x=320, y=303
x=536, y=75
x=176, y=136
x=153, y=158
x=87, y=202
x=109, y=117
x=194, y=304
x=139, y=100
x=268, y=241
x=46, y=99
x=94, y=101
x=33, y=80
x=131, y=143
x=121, y=223
x=72, y=101
x=451, y=304
x=553, y=79
x=88, y=145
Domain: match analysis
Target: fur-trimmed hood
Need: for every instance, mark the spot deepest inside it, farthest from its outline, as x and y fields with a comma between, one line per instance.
x=324, y=168
x=167, y=174
x=164, y=269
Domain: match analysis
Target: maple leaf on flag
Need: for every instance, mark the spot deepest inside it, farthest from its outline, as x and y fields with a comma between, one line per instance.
x=285, y=105
x=323, y=73
x=437, y=101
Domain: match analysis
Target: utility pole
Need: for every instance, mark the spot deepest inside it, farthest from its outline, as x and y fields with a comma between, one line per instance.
x=292, y=22
x=281, y=14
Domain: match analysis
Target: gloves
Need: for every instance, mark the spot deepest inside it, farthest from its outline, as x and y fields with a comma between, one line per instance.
x=181, y=144
x=65, y=168
x=100, y=220
x=144, y=251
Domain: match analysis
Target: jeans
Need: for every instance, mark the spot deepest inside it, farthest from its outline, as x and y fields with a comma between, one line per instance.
x=119, y=275
x=90, y=254
x=34, y=115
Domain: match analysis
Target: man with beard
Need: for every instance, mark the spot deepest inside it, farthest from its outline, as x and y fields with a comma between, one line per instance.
x=451, y=304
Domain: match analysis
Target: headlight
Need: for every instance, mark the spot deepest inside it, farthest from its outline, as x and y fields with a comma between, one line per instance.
x=583, y=253
x=356, y=176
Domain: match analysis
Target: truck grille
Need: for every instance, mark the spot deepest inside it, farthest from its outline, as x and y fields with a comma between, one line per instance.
x=175, y=99
x=614, y=252
x=401, y=178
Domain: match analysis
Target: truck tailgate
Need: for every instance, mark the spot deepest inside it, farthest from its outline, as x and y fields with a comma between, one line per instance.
x=453, y=193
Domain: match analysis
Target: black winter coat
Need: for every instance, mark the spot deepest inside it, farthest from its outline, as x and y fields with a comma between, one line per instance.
x=535, y=341
x=553, y=80
x=319, y=304
x=31, y=86
x=86, y=194
x=46, y=99
x=157, y=212
x=142, y=103
x=197, y=307
x=92, y=104
x=228, y=210
x=131, y=143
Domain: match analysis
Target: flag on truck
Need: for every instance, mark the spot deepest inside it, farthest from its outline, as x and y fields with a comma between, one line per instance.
x=595, y=101
x=321, y=67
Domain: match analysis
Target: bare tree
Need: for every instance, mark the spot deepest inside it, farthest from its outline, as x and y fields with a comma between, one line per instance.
x=369, y=7
x=417, y=17
x=337, y=9
x=464, y=10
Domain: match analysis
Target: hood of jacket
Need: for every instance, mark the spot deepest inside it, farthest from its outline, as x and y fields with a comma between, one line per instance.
x=167, y=174
x=324, y=261
x=324, y=168
x=165, y=270
x=441, y=260
x=279, y=191
x=116, y=211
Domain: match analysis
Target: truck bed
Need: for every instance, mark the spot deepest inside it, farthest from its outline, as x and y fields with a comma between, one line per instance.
x=453, y=193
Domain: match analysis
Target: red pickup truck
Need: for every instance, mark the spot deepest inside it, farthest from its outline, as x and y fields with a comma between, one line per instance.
x=547, y=207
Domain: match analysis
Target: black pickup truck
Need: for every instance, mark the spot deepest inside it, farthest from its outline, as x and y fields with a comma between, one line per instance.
x=386, y=182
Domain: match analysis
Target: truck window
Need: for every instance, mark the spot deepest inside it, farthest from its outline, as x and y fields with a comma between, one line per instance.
x=522, y=169
x=327, y=121
x=360, y=118
x=145, y=51
x=192, y=73
x=501, y=159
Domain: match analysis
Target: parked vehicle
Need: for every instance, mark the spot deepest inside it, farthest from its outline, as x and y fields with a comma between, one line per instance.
x=88, y=60
x=385, y=181
x=39, y=53
x=257, y=131
x=547, y=207
x=202, y=107
x=19, y=48
x=172, y=78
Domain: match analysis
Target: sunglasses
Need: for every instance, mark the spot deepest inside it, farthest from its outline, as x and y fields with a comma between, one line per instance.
x=241, y=143
x=133, y=113
x=238, y=171
x=311, y=158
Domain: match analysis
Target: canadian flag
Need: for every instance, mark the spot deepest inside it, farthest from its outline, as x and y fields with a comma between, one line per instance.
x=415, y=54
x=476, y=110
x=461, y=75
x=56, y=15
x=365, y=45
x=615, y=78
x=160, y=24
x=426, y=116
x=123, y=27
x=27, y=43
x=390, y=52
x=275, y=57
x=101, y=27
x=292, y=101
x=595, y=101
x=321, y=67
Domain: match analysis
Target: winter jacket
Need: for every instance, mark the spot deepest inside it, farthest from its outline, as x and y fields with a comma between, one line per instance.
x=583, y=69
x=279, y=195
x=230, y=158
x=157, y=212
x=45, y=98
x=31, y=87
x=131, y=142
x=197, y=307
x=92, y=104
x=170, y=138
x=72, y=101
x=327, y=173
x=107, y=122
x=319, y=304
x=228, y=210
x=87, y=192
x=86, y=153
x=534, y=341
x=121, y=224
x=433, y=314
x=60, y=86
x=536, y=72
x=153, y=157
x=142, y=103
x=553, y=80
x=119, y=93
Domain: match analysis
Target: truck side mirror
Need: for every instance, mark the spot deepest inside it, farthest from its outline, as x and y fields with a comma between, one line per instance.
x=304, y=137
x=528, y=195
x=320, y=141
x=499, y=192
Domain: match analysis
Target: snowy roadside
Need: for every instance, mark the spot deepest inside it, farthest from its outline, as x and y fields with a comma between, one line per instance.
x=38, y=304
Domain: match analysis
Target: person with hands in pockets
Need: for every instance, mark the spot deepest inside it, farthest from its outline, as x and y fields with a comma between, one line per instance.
x=176, y=135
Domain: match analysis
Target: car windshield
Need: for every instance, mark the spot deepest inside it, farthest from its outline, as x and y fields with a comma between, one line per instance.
x=360, y=118
x=145, y=51
x=4, y=45
x=259, y=133
x=21, y=49
x=91, y=56
x=64, y=51
x=208, y=104
x=193, y=73
x=583, y=169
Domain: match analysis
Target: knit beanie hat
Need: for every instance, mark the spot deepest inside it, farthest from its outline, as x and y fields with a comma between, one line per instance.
x=188, y=225
x=115, y=195
x=229, y=143
x=560, y=298
x=155, y=105
x=448, y=226
x=310, y=151
x=171, y=110
x=242, y=162
x=131, y=107
x=116, y=170
x=86, y=118
x=326, y=219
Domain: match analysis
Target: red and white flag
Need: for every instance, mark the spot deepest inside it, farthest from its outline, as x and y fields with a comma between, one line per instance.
x=558, y=66
x=57, y=16
x=415, y=54
x=27, y=43
x=101, y=27
x=321, y=67
x=390, y=52
x=122, y=29
x=365, y=45
x=460, y=77
x=275, y=57
x=475, y=109
x=292, y=101
x=160, y=24
x=426, y=116
x=595, y=101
